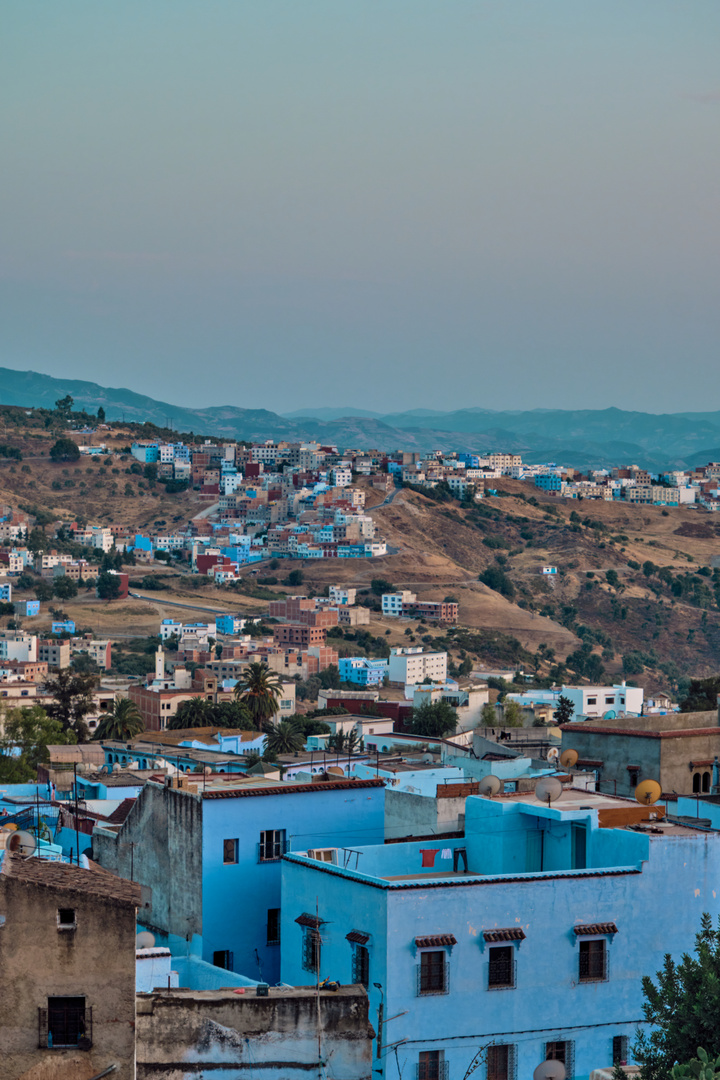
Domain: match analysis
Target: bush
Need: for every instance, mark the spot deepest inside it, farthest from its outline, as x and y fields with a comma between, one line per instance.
x=497, y=580
x=65, y=450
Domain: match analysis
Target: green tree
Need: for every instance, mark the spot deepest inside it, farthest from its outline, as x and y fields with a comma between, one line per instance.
x=123, y=723
x=488, y=715
x=64, y=450
x=233, y=714
x=295, y=577
x=259, y=689
x=681, y=1007
x=64, y=406
x=197, y=712
x=381, y=585
x=702, y=695
x=435, y=719
x=84, y=664
x=31, y=731
x=284, y=738
x=497, y=580
x=563, y=710
x=72, y=695
x=64, y=588
x=108, y=586
x=611, y=576
x=43, y=591
x=101, y=415
x=512, y=713
x=150, y=472
x=37, y=541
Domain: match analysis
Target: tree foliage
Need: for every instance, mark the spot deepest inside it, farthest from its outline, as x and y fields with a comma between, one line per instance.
x=108, y=586
x=123, y=723
x=28, y=732
x=702, y=695
x=563, y=710
x=682, y=1008
x=284, y=738
x=64, y=450
x=435, y=719
x=72, y=695
x=259, y=689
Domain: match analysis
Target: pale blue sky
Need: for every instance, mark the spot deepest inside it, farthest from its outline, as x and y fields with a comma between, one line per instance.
x=385, y=204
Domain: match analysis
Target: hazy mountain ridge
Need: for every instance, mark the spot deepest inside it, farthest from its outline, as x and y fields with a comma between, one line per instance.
x=584, y=438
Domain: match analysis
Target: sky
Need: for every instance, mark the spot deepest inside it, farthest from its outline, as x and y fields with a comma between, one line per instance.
x=388, y=205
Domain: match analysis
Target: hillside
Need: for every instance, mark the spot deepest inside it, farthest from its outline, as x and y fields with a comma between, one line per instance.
x=583, y=438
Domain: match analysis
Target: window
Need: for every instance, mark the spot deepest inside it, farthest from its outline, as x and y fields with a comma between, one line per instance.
x=609, y=700
x=706, y=782
x=230, y=851
x=562, y=1051
x=431, y=1065
x=620, y=1050
x=501, y=968
x=272, y=845
x=593, y=960
x=433, y=973
x=696, y=783
x=311, y=949
x=66, y=1022
x=592, y=701
x=501, y=1062
x=273, y=926
x=66, y=919
x=223, y=958
x=361, y=965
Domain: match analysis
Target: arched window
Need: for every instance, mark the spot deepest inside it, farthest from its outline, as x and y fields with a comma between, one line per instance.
x=706, y=781
x=696, y=783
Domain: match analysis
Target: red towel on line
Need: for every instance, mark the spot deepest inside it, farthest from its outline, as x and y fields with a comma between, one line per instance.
x=428, y=856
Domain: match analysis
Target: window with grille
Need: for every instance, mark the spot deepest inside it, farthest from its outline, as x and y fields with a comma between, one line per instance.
x=67, y=1021
x=273, y=926
x=501, y=967
x=620, y=1050
x=361, y=965
x=272, y=845
x=223, y=958
x=593, y=960
x=562, y=1051
x=432, y=1065
x=501, y=1062
x=433, y=973
x=311, y=950
x=230, y=851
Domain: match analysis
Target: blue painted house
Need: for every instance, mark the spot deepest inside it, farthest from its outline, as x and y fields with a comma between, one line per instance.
x=361, y=671
x=212, y=858
x=530, y=935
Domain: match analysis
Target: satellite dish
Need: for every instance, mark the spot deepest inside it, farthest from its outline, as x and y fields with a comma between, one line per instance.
x=22, y=843
x=207, y=770
x=550, y=1070
x=548, y=789
x=117, y=767
x=428, y=759
x=648, y=792
x=609, y=715
x=489, y=785
x=552, y=755
x=568, y=758
x=144, y=940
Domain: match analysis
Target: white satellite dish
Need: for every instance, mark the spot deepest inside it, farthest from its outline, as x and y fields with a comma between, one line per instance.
x=22, y=843
x=144, y=940
x=489, y=785
x=548, y=789
x=550, y=1070
x=553, y=755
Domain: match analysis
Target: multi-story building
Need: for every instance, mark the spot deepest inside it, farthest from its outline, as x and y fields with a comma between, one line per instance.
x=364, y=672
x=408, y=666
x=56, y=654
x=526, y=939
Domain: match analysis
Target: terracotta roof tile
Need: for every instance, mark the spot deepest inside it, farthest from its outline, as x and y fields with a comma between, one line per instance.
x=358, y=936
x=291, y=789
x=59, y=875
x=309, y=920
x=438, y=939
x=512, y=933
x=121, y=812
x=596, y=928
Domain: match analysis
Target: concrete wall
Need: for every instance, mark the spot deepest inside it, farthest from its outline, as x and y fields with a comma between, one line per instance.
x=96, y=961
x=407, y=814
x=160, y=846
x=616, y=752
x=188, y=1035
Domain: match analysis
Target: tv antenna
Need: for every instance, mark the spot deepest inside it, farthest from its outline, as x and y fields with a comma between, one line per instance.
x=548, y=789
x=569, y=758
x=648, y=792
x=490, y=785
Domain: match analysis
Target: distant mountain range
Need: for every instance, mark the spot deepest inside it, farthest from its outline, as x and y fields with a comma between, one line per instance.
x=585, y=438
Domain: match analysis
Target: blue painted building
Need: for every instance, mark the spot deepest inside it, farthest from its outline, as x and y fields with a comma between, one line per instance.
x=145, y=452
x=548, y=482
x=537, y=945
x=6, y=592
x=32, y=607
x=212, y=857
x=361, y=671
x=66, y=626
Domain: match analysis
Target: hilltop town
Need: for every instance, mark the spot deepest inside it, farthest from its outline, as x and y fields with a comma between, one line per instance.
x=272, y=711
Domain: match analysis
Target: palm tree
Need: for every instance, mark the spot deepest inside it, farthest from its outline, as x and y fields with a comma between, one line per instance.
x=259, y=689
x=197, y=712
x=122, y=723
x=284, y=738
